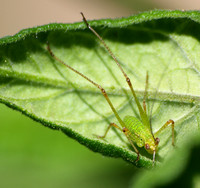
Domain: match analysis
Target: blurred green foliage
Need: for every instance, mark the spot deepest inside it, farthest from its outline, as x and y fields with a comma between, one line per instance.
x=35, y=156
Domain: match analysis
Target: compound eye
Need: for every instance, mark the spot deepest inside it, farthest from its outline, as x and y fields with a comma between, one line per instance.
x=147, y=146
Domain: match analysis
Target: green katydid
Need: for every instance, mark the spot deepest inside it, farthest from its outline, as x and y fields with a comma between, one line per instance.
x=137, y=131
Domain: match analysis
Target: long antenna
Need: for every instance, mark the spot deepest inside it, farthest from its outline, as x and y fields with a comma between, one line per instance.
x=142, y=113
x=92, y=82
x=154, y=97
x=157, y=88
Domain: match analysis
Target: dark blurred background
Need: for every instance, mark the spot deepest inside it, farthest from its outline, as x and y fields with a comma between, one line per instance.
x=34, y=156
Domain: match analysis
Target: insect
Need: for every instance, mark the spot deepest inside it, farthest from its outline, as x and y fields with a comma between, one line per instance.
x=137, y=131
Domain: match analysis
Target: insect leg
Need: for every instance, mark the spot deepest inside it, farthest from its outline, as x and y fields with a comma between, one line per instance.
x=92, y=82
x=145, y=93
x=164, y=126
x=111, y=125
x=127, y=133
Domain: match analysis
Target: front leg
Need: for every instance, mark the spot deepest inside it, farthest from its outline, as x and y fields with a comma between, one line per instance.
x=126, y=132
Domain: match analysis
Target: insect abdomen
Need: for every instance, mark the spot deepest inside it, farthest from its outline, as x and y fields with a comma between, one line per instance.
x=133, y=124
x=136, y=129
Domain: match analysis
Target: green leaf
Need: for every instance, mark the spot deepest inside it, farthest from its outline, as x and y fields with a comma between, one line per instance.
x=164, y=43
